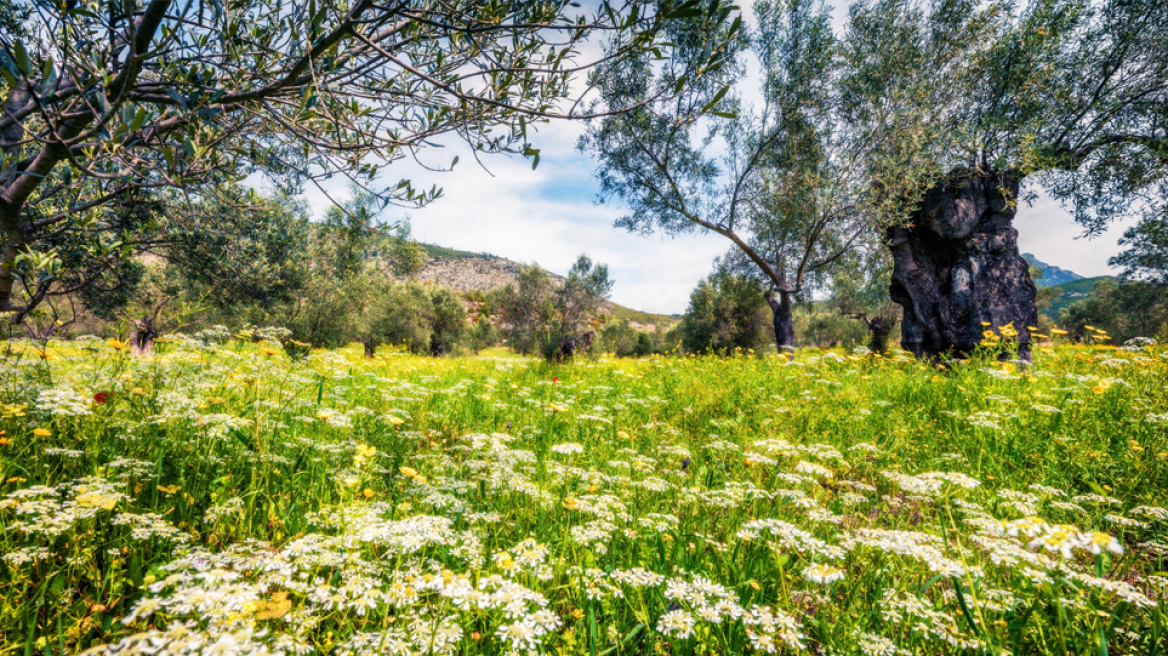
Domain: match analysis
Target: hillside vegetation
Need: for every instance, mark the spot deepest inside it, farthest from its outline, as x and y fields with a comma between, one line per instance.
x=1063, y=294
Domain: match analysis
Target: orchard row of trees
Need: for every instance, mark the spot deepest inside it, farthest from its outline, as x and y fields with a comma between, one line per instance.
x=260, y=260
x=905, y=142
x=115, y=109
x=911, y=137
x=727, y=312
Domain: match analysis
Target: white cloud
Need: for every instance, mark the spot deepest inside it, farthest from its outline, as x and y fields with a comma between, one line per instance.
x=1051, y=234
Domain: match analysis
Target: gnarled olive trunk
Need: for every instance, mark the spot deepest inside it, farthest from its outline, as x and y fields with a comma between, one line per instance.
x=956, y=266
x=370, y=350
x=878, y=330
x=879, y=327
x=142, y=337
x=784, y=322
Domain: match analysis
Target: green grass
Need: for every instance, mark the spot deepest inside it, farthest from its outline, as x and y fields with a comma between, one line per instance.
x=842, y=504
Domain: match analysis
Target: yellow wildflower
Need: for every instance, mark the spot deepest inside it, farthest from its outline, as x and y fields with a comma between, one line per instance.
x=96, y=500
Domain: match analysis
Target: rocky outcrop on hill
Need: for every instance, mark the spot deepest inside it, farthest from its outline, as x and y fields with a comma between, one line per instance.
x=466, y=272
x=470, y=273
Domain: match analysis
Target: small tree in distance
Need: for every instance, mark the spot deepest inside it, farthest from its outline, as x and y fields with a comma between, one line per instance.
x=859, y=289
x=540, y=315
x=725, y=313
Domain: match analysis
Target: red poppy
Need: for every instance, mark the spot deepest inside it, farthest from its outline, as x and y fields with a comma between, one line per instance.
x=555, y=380
x=101, y=397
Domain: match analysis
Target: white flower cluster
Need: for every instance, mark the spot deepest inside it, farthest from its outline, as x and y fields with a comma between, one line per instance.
x=1063, y=539
x=821, y=574
x=923, y=547
x=63, y=402
x=568, y=448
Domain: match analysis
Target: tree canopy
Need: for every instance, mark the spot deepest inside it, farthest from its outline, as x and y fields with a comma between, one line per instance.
x=104, y=98
x=1146, y=257
x=1073, y=90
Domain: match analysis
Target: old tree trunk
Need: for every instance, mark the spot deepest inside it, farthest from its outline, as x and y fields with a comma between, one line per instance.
x=142, y=337
x=956, y=265
x=784, y=322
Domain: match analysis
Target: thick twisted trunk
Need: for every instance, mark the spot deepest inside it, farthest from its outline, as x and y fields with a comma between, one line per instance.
x=784, y=322
x=878, y=330
x=142, y=337
x=956, y=266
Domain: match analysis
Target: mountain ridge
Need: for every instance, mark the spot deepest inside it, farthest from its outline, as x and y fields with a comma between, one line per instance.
x=1051, y=275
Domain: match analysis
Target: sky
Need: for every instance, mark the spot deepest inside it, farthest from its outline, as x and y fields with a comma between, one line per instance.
x=550, y=216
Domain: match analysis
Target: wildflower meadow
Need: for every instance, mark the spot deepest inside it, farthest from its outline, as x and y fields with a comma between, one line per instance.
x=223, y=497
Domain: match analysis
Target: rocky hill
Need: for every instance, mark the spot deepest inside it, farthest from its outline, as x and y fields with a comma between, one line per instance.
x=466, y=272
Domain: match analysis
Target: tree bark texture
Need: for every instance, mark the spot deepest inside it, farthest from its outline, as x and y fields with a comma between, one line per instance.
x=784, y=322
x=370, y=350
x=878, y=329
x=956, y=265
x=142, y=337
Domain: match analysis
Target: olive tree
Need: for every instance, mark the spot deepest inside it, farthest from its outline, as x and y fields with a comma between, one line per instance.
x=966, y=108
x=725, y=313
x=859, y=289
x=550, y=317
x=103, y=98
x=779, y=180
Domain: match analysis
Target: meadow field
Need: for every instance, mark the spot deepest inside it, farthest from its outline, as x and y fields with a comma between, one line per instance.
x=229, y=499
